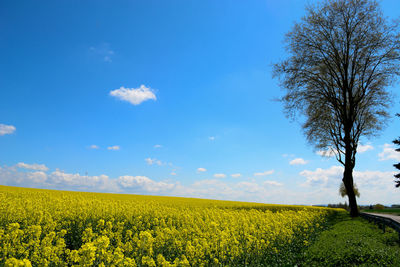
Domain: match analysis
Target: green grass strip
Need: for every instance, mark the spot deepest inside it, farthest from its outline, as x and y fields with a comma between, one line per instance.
x=354, y=242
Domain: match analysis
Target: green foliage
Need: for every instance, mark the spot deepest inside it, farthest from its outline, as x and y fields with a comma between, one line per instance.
x=379, y=207
x=354, y=242
x=343, y=191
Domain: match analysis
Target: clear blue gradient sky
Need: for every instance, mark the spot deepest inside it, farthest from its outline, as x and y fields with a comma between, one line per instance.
x=207, y=102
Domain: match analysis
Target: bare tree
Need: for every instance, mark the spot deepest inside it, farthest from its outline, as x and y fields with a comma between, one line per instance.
x=343, y=55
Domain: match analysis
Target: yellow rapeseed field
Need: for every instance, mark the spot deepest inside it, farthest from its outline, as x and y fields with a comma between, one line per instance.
x=60, y=228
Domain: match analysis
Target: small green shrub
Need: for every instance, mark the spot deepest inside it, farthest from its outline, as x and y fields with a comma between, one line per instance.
x=379, y=207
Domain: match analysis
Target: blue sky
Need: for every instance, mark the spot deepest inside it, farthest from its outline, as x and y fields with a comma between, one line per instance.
x=192, y=103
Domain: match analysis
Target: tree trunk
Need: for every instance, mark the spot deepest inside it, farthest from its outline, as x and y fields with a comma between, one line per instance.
x=348, y=181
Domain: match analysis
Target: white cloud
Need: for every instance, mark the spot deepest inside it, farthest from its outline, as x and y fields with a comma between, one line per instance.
x=249, y=187
x=151, y=161
x=6, y=129
x=37, y=177
x=236, y=175
x=35, y=166
x=74, y=181
x=173, y=173
x=212, y=138
x=219, y=175
x=389, y=153
x=364, y=148
x=94, y=147
x=157, y=146
x=135, y=96
x=61, y=178
x=298, y=161
x=113, y=148
x=266, y=173
x=201, y=170
x=374, y=186
x=322, y=186
x=143, y=183
x=320, y=177
x=331, y=152
x=273, y=183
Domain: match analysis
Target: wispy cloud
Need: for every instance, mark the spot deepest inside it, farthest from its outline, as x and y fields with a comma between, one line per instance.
x=219, y=175
x=6, y=129
x=135, y=96
x=298, y=161
x=266, y=173
x=151, y=161
x=201, y=169
x=389, y=153
x=212, y=138
x=236, y=175
x=157, y=146
x=103, y=51
x=272, y=183
x=94, y=147
x=113, y=148
x=35, y=166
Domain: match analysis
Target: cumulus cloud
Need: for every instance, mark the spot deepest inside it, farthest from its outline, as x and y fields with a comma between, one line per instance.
x=273, y=183
x=322, y=186
x=151, y=161
x=35, y=166
x=266, y=173
x=143, y=183
x=201, y=169
x=331, y=152
x=135, y=96
x=374, y=186
x=219, y=175
x=298, y=161
x=113, y=148
x=389, y=153
x=6, y=129
x=320, y=177
x=236, y=175
x=74, y=181
x=364, y=148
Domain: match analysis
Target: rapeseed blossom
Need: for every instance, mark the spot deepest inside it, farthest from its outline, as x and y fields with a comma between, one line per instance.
x=46, y=227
